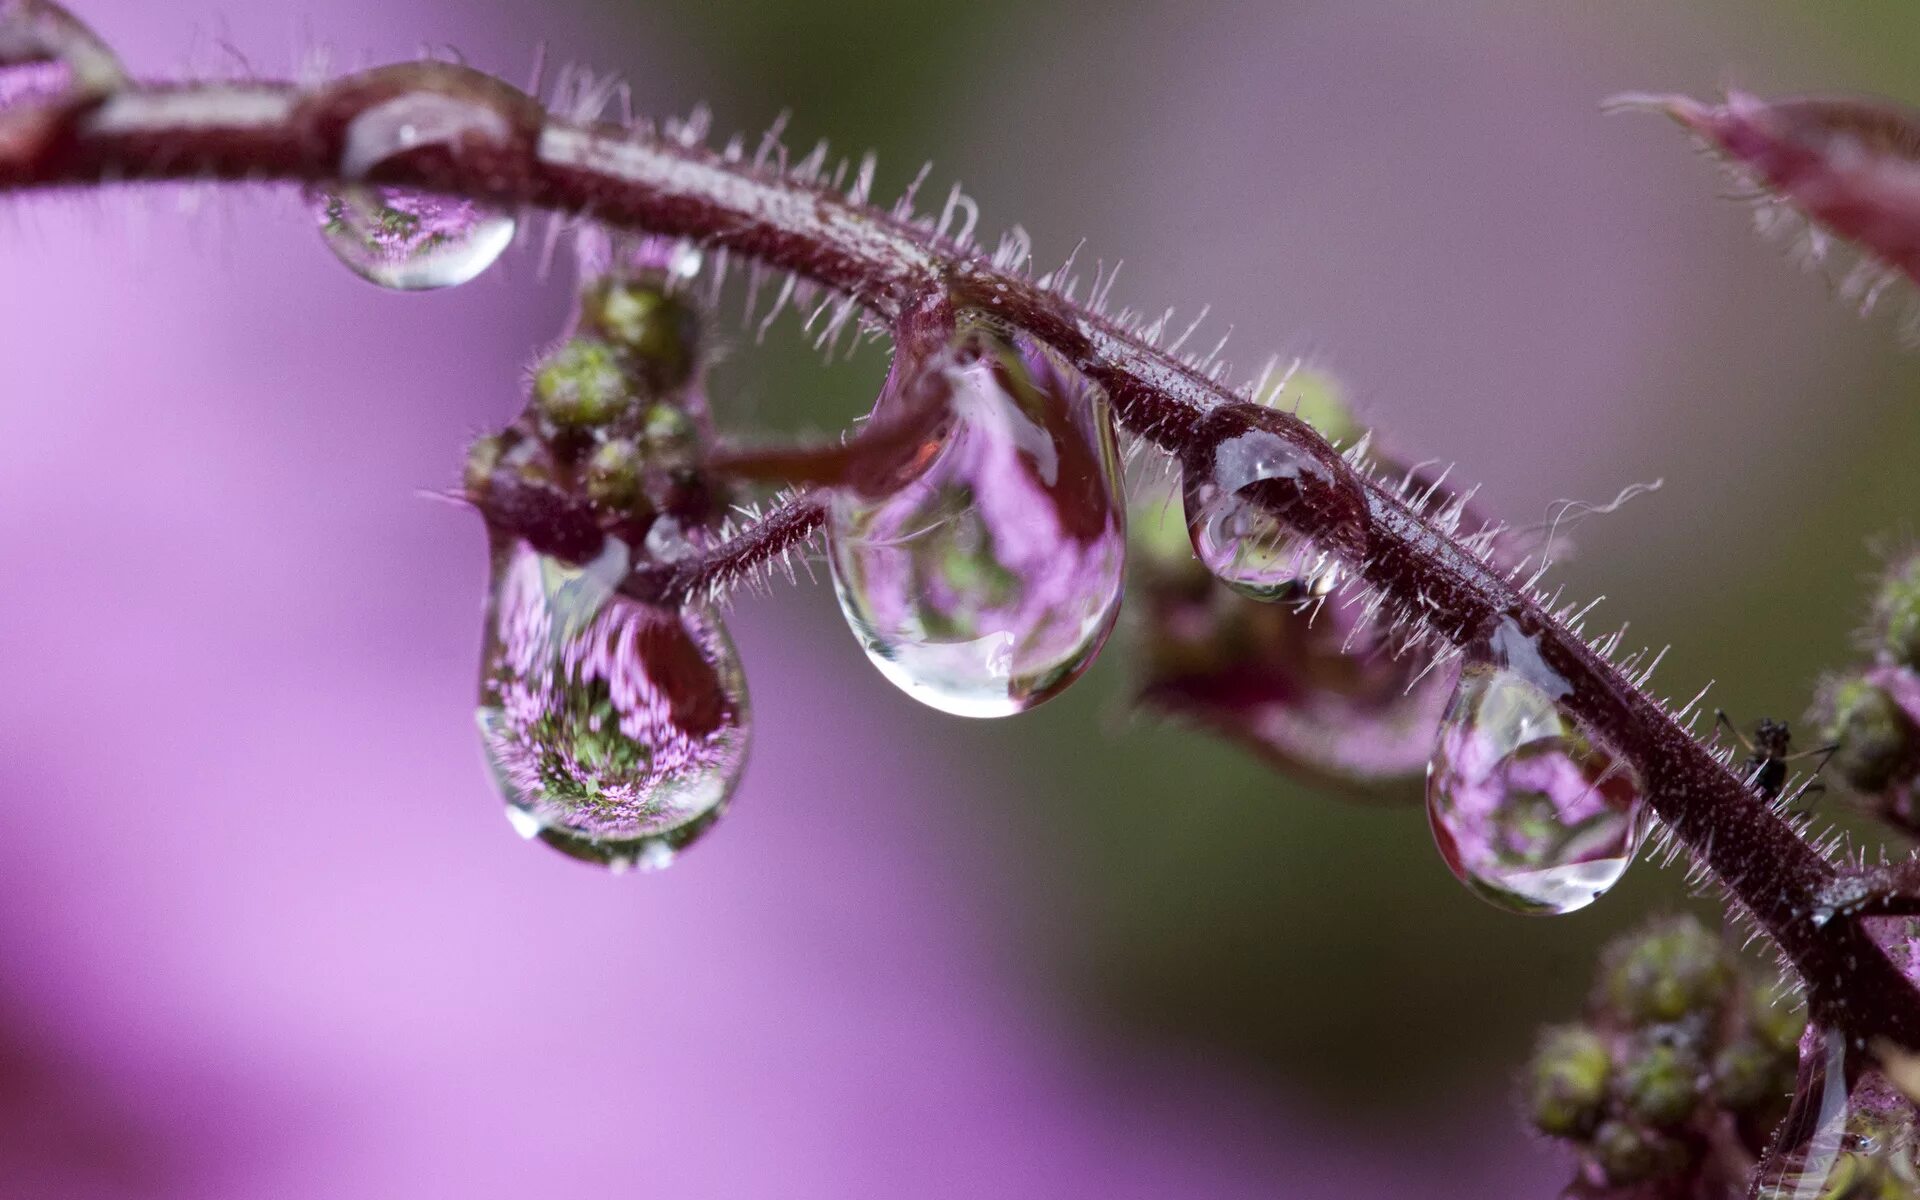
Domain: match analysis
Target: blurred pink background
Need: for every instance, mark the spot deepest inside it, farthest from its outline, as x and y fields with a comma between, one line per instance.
x=266, y=932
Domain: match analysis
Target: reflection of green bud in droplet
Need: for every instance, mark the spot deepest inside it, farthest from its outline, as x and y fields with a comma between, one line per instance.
x=659, y=332
x=1863, y=1177
x=1876, y=741
x=1567, y=1081
x=1661, y=1084
x=613, y=475
x=669, y=437
x=580, y=385
x=1665, y=972
x=1748, y=1075
x=1629, y=1154
x=482, y=457
x=1896, y=612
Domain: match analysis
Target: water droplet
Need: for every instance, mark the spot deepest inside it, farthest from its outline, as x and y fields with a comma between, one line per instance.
x=49, y=57
x=1232, y=487
x=411, y=241
x=1528, y=808
x=1850, y=1131
x=33, y=83
x=988, y=580
x=616, y=730
x=403, y=239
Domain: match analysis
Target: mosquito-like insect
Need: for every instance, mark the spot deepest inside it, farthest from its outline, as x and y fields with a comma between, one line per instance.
x=1769, y=752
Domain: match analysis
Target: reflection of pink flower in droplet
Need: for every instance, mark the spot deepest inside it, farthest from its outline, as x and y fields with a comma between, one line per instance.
x=612, y=719
x=997, y=566
x=1520, y=801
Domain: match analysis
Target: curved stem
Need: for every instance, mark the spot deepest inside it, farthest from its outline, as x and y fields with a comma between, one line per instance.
x=884, y=261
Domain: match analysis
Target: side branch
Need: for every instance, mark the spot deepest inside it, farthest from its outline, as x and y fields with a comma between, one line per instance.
x=886, y=262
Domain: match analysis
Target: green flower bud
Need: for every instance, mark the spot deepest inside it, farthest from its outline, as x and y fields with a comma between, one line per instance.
x=529, y=461
x=1629, y=1154
x=1567, y=1081
x=614, y=476
x=581, y=385
x=1660, y=1084
x=658, y=332
x=482, y=458
x=1896, y=613
x=1876, y=739
x=1665, y=972
x=670, y=438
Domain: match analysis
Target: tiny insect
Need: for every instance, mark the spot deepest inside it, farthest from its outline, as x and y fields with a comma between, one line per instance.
x=1768, y=753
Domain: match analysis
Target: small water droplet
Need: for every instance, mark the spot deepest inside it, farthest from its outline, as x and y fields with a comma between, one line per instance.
x=33, y=83
x=1528, y=808
x=615, y=730
x=48, y=57
x=411, y=241
x=1231, y=488
x=403, y=239
x=987, y=582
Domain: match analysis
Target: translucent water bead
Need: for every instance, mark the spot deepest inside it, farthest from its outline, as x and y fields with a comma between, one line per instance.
x=615, y=730
x=48, y=57
x=1529, y=809
x=1235, y=488
x=987, y=580
x=403, y=239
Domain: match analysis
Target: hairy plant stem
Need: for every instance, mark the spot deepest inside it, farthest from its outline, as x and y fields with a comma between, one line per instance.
x=635, y=180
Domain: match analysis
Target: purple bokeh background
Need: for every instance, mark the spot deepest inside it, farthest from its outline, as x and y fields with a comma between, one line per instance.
x=266, y=932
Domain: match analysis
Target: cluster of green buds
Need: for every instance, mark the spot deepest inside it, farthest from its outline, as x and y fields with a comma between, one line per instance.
x=610, y=441
x=1682, y=1066
x=1871, y=713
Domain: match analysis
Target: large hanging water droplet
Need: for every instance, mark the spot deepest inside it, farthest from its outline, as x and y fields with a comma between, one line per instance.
x=403, y=239
x=987, y=581
x=615, y=730
x=1232, y=487
x=1529, y=809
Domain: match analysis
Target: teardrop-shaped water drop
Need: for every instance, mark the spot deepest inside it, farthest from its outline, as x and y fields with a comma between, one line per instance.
x=1528, y=807
x=986, y=581
x=1849, y=1131
x=411, y=241
x=403, y=239
x=616, y=730
x=1234, y=489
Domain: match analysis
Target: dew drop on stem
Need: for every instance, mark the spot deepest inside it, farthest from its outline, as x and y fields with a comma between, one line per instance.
x=985, y=575
x=404, y=239
x=1246, y=487
x=48, y=58
x=615, y=730
x=1529, y=808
